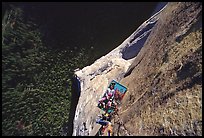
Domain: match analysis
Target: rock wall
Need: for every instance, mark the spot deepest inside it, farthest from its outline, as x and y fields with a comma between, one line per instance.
x=95, y=78
x=161, y=65
x=165, y=79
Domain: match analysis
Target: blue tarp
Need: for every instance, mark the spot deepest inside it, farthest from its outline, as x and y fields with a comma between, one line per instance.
x=119, y=92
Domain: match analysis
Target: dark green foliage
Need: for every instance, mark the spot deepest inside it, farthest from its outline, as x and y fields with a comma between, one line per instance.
x=36, y=84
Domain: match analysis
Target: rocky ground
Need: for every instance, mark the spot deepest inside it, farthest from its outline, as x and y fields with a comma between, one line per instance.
x=165, y=80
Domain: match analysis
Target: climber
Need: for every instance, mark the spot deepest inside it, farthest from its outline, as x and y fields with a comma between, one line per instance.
x=101, y=105
x=102, y=99
x=114, y=107
x=102, y=122
x=105, y=117
x=110, y=91
x=107, y=130
x=105, y=102
x=108, y=117
x=109, y=104
x=109, y=107
x=108, y=95
x=110, y=129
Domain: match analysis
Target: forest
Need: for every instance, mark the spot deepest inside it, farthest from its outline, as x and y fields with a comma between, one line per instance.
x=36, y=78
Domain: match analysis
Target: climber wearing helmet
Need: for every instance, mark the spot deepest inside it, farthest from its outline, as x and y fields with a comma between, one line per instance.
x=110, y=91
x=108, y=95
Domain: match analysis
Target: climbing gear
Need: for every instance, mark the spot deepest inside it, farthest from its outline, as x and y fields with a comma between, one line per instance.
x=109, y=103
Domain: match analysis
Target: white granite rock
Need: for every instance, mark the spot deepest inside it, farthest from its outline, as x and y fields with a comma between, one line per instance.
x=95, y=78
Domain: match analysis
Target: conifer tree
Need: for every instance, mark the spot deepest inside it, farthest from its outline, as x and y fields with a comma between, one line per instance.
x=36, y=84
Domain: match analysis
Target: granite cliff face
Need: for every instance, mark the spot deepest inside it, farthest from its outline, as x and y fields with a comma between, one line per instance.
x=165, y=79
x=160, y=63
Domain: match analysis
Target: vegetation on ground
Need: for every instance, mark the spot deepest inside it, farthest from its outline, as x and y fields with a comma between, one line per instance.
x=36, y=79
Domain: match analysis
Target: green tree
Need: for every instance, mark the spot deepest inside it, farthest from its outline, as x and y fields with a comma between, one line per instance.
x=36, y=84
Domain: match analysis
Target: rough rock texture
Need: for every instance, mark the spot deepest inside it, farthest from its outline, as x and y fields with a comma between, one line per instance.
x=160, y=64
x=165, y=79
x=95, y=78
